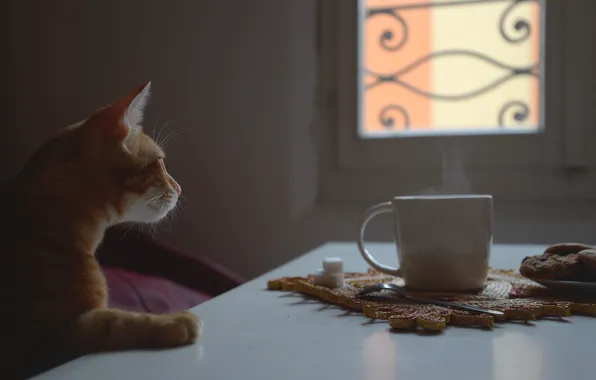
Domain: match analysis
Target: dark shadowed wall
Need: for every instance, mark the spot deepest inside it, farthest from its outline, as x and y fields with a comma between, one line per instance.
x=234, y=78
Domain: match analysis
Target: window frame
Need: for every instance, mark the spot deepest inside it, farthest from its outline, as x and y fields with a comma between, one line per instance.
x=549, y=165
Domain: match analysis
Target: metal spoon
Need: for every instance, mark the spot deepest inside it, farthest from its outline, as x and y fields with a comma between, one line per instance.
x=403, y=292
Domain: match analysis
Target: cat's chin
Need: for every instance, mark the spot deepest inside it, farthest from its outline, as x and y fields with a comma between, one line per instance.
x=139, y=211
x=151, y=216
x=159, y=216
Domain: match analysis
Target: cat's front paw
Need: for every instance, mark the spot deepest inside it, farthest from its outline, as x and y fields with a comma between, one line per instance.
x=181, y=328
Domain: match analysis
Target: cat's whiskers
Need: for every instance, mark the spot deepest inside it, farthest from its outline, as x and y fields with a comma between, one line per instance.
x=161, y=129
x=165, y=224
x=156, y=122
x=155, y=198
x=175, y=212
x=153, y=227
x=128, y=227
x=170, y=136
x=158, y=140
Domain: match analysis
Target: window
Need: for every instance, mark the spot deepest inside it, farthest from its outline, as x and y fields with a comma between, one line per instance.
x=444, y=67
x=493, y=92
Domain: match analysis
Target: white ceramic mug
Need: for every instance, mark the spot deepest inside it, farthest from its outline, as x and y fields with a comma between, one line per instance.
x=443, y=242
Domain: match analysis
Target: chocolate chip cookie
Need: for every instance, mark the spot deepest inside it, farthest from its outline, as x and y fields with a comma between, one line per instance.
x=566, y=248
x=556, y=267
x=563, y=261
x=588, y=257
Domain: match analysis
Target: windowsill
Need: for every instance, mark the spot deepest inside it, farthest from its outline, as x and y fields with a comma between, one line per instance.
x=449, y=132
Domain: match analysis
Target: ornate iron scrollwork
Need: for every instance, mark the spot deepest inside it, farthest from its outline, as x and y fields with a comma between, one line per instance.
x=520, y=109
x=392, y=40
x=388, y=121
x=521, y=26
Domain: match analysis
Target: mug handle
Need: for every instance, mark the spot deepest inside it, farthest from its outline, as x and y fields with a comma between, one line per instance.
x=378, y=209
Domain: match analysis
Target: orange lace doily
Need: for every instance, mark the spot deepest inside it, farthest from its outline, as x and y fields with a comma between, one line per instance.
x=520, y=299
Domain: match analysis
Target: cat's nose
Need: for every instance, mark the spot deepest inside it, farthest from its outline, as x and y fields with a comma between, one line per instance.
x=176, y=187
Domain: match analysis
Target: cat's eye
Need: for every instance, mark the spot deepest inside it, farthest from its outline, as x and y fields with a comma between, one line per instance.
x=150, y=163
x=156, y=161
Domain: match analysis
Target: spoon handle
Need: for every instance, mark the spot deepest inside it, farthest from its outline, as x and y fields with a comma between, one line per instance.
x=459, y=306
x=395, y=288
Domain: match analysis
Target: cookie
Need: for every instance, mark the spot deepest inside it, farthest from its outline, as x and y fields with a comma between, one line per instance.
x=566, y=248
x=588, y=257
x=556, y=267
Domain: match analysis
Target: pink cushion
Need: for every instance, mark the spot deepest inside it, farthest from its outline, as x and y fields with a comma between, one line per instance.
x=138, y=292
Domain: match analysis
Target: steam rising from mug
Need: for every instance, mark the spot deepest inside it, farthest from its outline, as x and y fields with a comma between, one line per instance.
x=453, y=177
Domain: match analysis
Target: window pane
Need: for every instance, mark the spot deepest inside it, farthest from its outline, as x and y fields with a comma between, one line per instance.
x=450, y=66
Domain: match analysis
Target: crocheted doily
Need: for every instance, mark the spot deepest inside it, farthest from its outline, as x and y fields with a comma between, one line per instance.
x=520, y=299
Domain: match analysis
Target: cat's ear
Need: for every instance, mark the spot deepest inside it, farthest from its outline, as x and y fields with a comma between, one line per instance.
x=123, y=119
x=136, y=109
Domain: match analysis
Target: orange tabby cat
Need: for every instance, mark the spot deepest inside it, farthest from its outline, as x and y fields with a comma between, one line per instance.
x=93, y=175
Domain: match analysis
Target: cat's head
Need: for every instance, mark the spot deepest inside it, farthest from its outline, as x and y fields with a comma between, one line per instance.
x=107, y=163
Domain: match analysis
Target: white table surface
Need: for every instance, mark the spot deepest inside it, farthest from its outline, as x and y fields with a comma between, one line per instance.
x=255, y=334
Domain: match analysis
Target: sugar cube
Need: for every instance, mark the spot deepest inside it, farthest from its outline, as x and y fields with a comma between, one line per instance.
x=333, y=265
